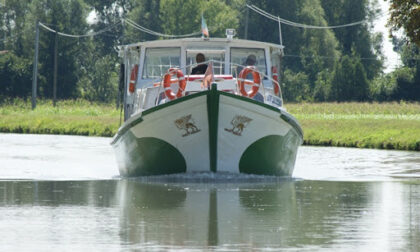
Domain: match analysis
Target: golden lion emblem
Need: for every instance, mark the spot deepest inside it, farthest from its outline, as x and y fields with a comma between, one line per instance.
x=239, y=123
x=187, y=123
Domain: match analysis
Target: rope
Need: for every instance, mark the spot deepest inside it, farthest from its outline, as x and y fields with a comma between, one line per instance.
x=141, y=28
x=291, y=23
x=79, y=36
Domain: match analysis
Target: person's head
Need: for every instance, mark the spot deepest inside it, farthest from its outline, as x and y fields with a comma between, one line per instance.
x=200, y=58
x=250, y=61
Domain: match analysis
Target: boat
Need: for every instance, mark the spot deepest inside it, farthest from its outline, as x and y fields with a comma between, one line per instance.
x=229, y=119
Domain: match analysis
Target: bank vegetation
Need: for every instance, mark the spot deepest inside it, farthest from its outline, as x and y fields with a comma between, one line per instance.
x=392, y=125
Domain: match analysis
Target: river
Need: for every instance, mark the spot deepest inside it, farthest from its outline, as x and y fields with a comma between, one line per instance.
x=64, y=193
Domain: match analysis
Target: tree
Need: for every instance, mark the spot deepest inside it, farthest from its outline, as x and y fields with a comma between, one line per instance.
x=147, y=14
x=15, y=74
x=296, y=86
x=184, y=16
x=406, y=14
x=109, y=12
x=349, y=81
x=318, y=48
x=100, y=79
x=357, y=40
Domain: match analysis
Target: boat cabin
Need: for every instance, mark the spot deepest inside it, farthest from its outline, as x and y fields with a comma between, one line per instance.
x=156, y=72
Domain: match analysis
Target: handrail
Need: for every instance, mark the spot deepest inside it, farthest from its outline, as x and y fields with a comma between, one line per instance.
x=264, y=75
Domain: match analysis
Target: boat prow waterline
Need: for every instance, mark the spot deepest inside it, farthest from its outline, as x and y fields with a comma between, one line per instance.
x=227, y=118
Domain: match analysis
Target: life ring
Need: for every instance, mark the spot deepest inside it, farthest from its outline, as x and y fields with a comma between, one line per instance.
x=276, y=84
x=182, y=83
x=133, y=79
x=255, y=83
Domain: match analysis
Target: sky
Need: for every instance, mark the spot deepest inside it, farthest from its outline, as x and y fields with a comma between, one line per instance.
x=392, y=58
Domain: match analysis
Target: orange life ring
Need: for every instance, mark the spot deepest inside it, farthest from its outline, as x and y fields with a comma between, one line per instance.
x=276, y=84
x=182, y=83
x=255, y=84
x=133, y=79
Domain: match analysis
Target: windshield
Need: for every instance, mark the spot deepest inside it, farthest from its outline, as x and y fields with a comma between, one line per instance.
x=159, y=60
x=217, y=55
x=247, y=57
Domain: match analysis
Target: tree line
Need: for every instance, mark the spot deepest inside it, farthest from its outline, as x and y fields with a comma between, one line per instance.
x=343, y=64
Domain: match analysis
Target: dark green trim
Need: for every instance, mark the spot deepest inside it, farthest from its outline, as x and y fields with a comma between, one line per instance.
x=173, y=102
x=271, y=155
x=213, y=118
x=250, y=101
x=212, y=93
x=283, y=115
x=143, y=157
x=125, y=128
x=292, y=121
x=128, y=124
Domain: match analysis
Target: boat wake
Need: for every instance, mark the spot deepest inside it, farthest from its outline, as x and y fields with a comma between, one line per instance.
x=210, y=177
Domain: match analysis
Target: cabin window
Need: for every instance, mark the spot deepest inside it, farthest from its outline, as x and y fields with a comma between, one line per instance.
x=217, y=56
x=241, y=57
x=159, y=60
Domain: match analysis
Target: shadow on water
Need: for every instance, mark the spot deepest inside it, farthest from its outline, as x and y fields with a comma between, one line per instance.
x=133, y=214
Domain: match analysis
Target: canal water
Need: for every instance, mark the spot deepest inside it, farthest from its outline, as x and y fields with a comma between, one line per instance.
x=63, y=193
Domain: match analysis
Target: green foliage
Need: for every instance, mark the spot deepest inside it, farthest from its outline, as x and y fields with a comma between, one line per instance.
x=315, y=65
x=406, y=14
x=322, y=89
x=404, y=82
x=296, y=86
x=15, y=75
x=100, y=82
x=357, y=40
x=349, y=82
x=184, y=16
x=318, y=50
x=145, y=13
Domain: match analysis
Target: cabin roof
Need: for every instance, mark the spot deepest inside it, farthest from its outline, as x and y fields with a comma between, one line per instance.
x=203, y=42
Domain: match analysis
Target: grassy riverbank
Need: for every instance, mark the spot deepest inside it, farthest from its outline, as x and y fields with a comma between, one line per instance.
x=364, y=125
x=71, y=117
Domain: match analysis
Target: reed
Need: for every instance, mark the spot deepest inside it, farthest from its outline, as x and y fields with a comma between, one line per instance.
x=364, y=125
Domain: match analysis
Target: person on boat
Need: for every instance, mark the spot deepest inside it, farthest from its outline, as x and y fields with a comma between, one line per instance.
x=250, y=61
x=201, y=68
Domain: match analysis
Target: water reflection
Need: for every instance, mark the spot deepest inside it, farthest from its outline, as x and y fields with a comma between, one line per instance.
x=130, y=214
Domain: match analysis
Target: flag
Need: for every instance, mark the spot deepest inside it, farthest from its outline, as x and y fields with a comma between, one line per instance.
x=208, y=76
x=204, y=29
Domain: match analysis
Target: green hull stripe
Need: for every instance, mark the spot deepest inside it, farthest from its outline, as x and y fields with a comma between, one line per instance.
x=148, y=156
x=271, y=155
x=213, y=118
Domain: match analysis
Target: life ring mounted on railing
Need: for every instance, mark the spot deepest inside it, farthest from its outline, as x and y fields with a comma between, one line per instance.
x=182, y=83
x=276, y=84
x=256, y=83
x=133, y=79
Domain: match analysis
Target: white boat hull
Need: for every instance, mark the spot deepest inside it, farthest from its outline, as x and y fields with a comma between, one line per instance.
x=209, y=131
